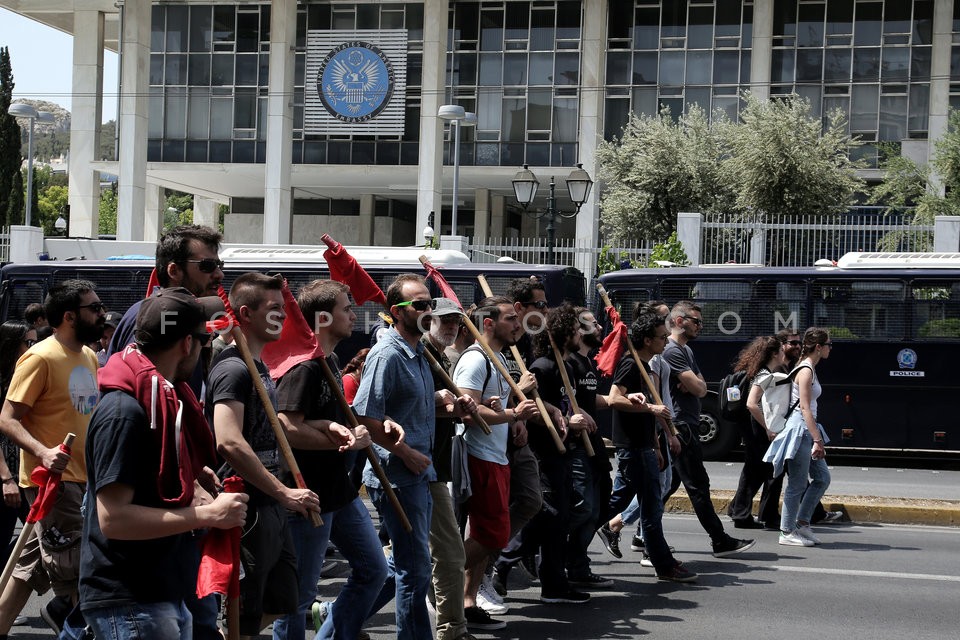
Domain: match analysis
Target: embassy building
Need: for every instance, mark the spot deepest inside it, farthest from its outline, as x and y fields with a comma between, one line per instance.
x=312, y=117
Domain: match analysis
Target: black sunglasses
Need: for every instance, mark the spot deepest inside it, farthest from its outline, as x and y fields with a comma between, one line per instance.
x=96, y=307
x=539, y=304
x=208, y=265
x=419, y=305
x=696, y=321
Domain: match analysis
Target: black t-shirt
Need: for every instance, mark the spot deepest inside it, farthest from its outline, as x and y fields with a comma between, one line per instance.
x=525, y=347
x=583, y=375
x=304, y=389
x=686, y=406
x=230, y=380
x=551, y=389
x=122, y=449
x=445, y=427
x=633, y=430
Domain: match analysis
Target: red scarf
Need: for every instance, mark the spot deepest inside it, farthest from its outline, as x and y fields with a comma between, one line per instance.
x=184, y=451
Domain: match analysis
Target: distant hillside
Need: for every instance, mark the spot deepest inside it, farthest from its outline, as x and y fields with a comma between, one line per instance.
x=51, y=140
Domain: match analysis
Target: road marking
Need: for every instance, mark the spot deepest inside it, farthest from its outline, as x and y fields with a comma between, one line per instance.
x=868, y=574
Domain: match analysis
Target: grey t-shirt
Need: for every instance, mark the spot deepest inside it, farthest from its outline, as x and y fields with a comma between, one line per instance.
x=686, y=406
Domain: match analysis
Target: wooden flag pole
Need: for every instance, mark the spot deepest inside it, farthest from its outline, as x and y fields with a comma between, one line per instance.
x=587, y=445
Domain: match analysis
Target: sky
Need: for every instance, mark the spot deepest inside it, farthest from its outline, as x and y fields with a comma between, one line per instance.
x=32, y=48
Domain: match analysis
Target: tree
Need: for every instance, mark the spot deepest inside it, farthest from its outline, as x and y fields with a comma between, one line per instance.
x=11, y=183
x=784, y=161
x=51, y=203
x=658, y=168
x=108, y=211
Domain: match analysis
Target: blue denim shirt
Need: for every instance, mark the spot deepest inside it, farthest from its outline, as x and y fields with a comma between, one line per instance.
x=397, y=382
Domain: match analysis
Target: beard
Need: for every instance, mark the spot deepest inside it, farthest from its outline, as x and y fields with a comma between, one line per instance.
x=592, y=340
x=89, y=331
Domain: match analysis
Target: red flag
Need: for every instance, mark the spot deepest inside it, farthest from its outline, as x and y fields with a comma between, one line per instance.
x=344, y=268
x=47, y=482
x=220, y=562
x=297, y=342
x=228, y=320
x=154, y=283
x=612, y=349
x=445, y=289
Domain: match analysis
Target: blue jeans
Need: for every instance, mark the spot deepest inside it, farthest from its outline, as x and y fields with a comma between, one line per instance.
x=799, y=499
x=154, y=621
x=638, y=476
x=351, y=529
x=409, y=567
x=632, y=513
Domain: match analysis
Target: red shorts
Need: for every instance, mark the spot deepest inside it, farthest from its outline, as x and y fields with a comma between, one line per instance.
x=488, y=508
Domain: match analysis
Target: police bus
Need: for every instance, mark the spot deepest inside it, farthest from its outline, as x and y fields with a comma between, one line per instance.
x=894, y=319
x=122, y=282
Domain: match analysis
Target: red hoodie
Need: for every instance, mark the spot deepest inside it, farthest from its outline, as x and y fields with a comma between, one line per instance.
x=176, y=418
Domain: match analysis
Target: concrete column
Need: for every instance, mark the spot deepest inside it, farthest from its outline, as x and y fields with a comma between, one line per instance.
x=762, y=54
x=939, y=80
x=368, y=206
x=689, y=230
x=134, y=91
x=592, y=65
x=205, y=211
x=155, y=206
x=498, y=225
x=946, y=234
x=85, y=116
x=432, y=92
x=278, y=194
x=481, y=214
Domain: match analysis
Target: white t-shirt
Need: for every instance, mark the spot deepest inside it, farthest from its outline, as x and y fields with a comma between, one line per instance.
x=471, y=369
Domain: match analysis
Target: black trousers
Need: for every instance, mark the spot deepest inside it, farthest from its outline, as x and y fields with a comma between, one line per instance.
x=756, y=475
x=688, y=468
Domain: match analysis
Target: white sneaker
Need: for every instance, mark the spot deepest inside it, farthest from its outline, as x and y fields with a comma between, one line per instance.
x=488, y=591
x=807, y=533
x=487, y=599
x=794, y=539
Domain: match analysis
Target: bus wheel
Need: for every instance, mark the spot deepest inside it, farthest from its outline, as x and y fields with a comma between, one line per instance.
x=717, y=437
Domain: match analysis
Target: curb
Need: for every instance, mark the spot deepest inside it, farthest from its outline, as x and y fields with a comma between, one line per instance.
x=855, y=508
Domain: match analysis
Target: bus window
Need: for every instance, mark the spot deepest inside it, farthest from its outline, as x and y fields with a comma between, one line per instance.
x=936, y=310
x=858, y=309
x=624, y=300
x=779, y=304
x=725, y=305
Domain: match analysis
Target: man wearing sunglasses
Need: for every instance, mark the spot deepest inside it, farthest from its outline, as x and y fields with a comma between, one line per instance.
x=687, y=387
x=397, y=385
x=52, y=393
x=136, y=557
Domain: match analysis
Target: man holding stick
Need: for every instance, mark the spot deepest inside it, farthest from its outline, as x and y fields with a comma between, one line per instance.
x=136, y=558
x=397, y=383
x=248, y=444
x=311, y=415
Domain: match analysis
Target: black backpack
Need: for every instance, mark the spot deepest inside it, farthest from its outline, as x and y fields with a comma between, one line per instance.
x=734, y=389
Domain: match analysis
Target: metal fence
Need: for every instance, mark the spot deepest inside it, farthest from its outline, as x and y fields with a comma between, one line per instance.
x=801, y=240
x=4, y=244
x=572, y=252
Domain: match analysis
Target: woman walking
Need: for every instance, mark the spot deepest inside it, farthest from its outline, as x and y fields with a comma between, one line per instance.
x=800, y=446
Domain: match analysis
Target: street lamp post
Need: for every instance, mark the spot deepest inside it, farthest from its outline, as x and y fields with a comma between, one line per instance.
x=458, y=117
x=21, y=110
x=525, y=186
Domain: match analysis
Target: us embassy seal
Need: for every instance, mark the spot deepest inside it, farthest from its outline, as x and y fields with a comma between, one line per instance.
x=355, y=81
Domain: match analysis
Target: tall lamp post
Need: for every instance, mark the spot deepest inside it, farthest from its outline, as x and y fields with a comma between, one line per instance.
x=21, y=110
x=456, y=114
x=525, y=186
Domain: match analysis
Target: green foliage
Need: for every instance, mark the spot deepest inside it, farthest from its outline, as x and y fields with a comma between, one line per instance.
x=945, y=328
x=108, y=212
x=670, y=250
x=607, y=261
x=11, y=182
x=841, y=332
x=51, y=203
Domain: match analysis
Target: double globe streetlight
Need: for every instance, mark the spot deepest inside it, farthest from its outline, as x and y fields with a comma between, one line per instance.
x=459, y=117
x=21, y=110
x=525, y=185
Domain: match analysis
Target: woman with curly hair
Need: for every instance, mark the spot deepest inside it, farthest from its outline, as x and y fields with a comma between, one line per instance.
x=800, y=446
x=757, y=360
x=351, y=374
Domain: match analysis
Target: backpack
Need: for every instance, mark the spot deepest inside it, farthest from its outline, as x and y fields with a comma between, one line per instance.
x=734, y=389
x=777, y=401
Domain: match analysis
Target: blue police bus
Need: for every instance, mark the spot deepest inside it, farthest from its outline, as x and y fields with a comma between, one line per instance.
x=894, y=319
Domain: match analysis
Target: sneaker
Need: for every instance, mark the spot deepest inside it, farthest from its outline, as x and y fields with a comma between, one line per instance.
x=610, y=539
x=571, y=596
x=489, y=601
x=319, y=612
x=731, y=546
x=327, y=569
x=832, y=517
x=530, y=564
x=645, y=560
x=55, y=612
x=501, y=571
x=590, y=581
x=748, y=523
x=794, y=539
x=807, y=532
x=477, y=618
x=637, y=544
x=19, y=621
x=678, y=573
x=486, y=588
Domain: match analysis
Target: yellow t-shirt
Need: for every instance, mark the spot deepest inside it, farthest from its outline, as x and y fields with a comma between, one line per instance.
x=60, y=387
